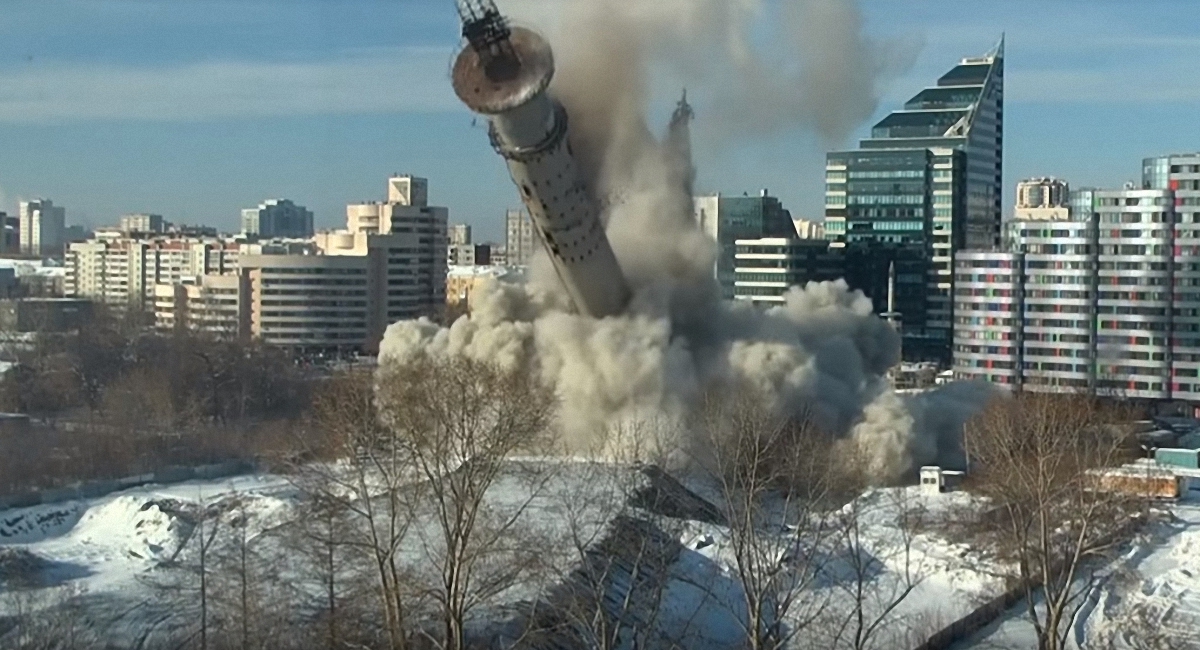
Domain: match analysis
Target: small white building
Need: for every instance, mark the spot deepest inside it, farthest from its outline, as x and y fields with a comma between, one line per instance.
x=935, y=480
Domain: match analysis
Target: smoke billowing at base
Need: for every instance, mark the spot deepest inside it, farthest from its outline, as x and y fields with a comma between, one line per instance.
x=822, y=352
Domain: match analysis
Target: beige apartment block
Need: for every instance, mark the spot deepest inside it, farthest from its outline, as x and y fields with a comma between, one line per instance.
x=122, y=271
x=336, y=291
x=213, y=304
x=311, y=302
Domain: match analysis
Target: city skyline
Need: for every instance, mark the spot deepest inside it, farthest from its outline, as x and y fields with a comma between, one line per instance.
x=117, y=107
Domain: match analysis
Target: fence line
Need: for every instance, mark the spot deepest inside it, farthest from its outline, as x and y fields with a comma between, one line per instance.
x=101, y=487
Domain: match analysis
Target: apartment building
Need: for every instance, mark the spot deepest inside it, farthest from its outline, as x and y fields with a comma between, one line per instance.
x=464, y=282
x=1136, y=274
x=142, y=223
x=1180, y=174
x=122, y=270
x=987, y=322
x=460, y=233
x=277, y=218
x=42, y=227
x=1042, y=199
x=1059, y=293
x=469, y=255
x=213, y=304
x=1105, y=300
x=335, y=292
x=520, y=242
x=311, y=302
x=417, y=265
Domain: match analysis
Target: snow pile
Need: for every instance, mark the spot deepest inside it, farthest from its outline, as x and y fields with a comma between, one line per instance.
x=1154, y=590
x=134, y=526
x=942, y=565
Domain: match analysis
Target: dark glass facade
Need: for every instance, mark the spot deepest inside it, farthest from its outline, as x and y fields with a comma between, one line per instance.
x=727, y=219
x=928, y=182
x=768, y=268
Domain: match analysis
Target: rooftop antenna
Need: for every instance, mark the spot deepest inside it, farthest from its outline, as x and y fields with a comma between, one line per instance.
x=891, y=315
x=487, y=32
x=683, y=110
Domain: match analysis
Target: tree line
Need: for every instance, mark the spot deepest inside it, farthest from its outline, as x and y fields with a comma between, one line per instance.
x=114, y=399
x=430, y=513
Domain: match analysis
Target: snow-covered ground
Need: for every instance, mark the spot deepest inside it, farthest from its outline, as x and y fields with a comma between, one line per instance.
x=109, y=550
x=97, y=552
x=1148, y=598
x=112, y=538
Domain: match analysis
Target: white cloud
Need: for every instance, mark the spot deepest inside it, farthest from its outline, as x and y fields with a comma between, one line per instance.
x=414, y=79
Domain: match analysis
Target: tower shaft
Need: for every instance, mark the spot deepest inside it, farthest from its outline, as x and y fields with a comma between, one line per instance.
x=504, y=73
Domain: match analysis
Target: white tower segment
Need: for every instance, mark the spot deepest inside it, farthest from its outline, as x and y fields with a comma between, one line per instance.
x=503, y=73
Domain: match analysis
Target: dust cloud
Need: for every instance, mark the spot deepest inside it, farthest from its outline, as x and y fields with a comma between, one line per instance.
x=822, y=350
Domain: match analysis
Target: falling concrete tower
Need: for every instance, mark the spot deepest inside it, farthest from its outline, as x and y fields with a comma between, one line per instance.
x=503, y=73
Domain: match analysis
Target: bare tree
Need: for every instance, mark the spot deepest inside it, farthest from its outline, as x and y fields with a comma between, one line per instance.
x=207, y=527
x=459, y=421
x=46, y=619
x=872, y=589
x=319, y=543
x=373, y=484
x=140, y=402
x=251, y=610
x=185, y=578
x=775, y=477
x=613, y=576
x=1032, y=455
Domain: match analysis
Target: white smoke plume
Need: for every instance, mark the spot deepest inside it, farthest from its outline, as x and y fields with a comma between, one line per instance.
x=822, y=350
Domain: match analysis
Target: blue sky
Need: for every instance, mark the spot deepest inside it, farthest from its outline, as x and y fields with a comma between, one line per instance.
x=197, y=108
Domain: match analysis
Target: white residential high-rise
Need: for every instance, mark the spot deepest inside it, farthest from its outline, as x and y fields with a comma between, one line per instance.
x=1103, y=302
x=42, y=227
x=142, y=223
x=460, y=251
x=460, y=233
x=121, y=270
x=278, y=218
x=1180, y=173
x=519, y=241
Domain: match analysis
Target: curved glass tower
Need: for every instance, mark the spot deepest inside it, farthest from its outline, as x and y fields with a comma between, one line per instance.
x=925, y=184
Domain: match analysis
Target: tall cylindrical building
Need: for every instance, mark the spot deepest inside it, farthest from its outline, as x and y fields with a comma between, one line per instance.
x=503, y=73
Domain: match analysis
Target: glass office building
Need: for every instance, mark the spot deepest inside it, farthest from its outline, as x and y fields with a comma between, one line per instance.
x=766, y=269
x=927, y=181
x=726, y=219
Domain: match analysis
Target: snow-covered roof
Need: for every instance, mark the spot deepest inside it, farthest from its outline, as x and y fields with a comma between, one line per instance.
x=24, y=267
